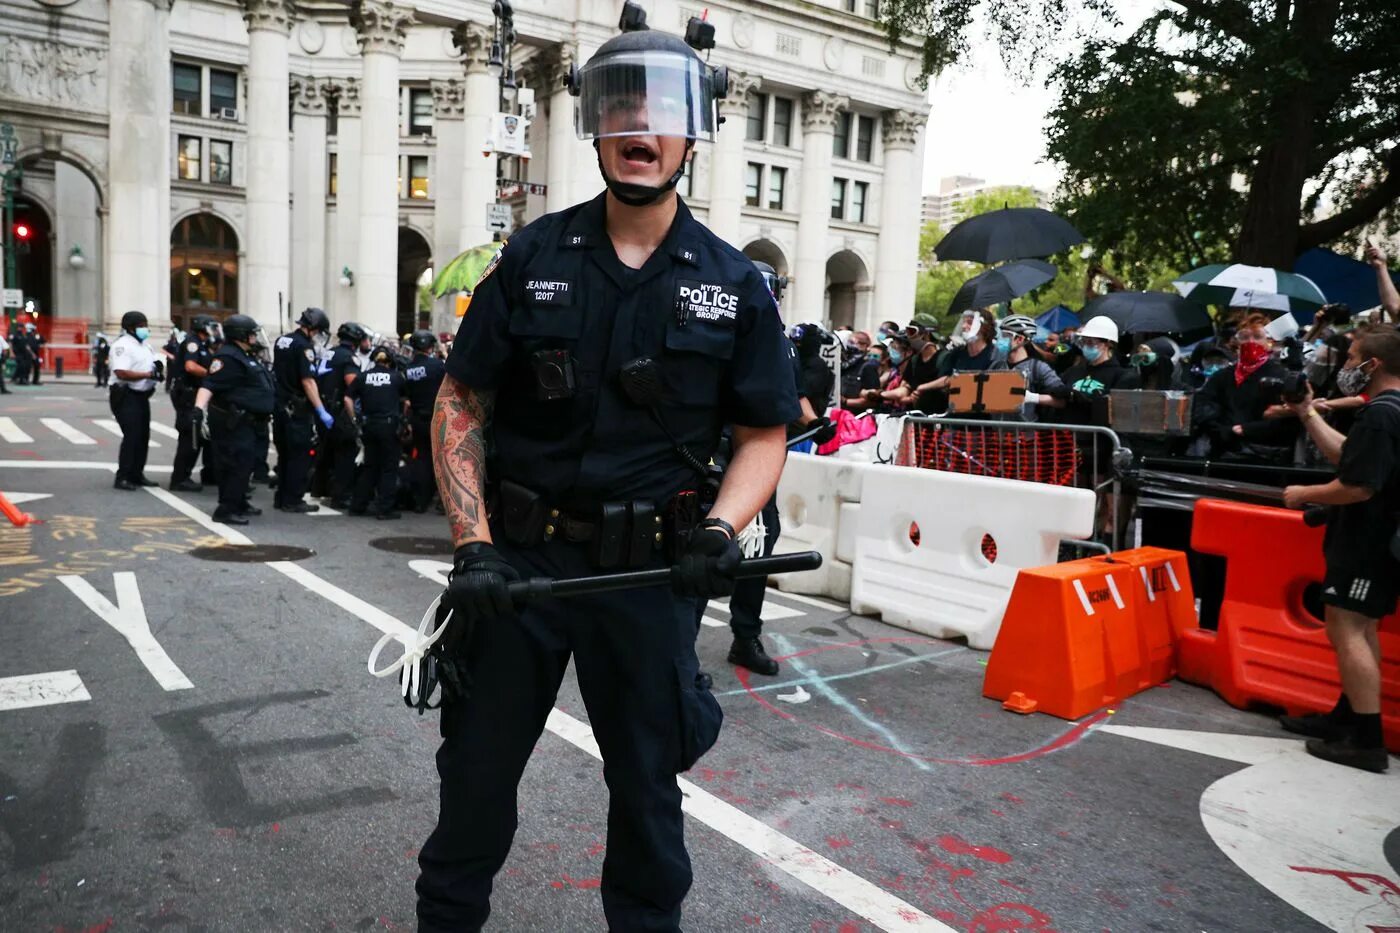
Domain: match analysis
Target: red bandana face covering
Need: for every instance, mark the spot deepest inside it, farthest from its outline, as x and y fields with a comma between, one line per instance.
x=1252, y=356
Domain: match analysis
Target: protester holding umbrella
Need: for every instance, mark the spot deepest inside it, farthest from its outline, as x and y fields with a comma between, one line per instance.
x=1230, y=409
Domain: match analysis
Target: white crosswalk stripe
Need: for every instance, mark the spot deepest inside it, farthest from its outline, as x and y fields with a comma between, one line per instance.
x=66, y=431
x=110, y=426
x=165, y=429
x=9, y=431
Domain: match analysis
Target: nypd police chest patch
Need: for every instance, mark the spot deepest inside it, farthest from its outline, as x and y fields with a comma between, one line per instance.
x=703, y=301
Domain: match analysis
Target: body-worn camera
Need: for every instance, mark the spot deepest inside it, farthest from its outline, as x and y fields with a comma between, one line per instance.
x=1291, y=388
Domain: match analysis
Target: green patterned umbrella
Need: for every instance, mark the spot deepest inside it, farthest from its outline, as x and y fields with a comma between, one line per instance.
x=463, y=272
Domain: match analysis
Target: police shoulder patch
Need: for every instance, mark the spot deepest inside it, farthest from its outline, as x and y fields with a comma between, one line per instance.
x=192, y=347
x=311, y=354
x=490, y=267
x=216, y=366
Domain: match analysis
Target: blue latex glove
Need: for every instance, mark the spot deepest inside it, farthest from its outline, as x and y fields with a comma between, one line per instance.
x=327, y=419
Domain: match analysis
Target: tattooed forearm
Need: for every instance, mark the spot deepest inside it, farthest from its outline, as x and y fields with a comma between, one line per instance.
x=459, y=457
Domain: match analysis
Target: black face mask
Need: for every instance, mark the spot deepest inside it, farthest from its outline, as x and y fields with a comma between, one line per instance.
x=640, y=195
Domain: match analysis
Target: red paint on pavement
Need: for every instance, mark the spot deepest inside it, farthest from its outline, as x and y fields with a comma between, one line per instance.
x=1011, y=798
x=956, y=845
x=897, y=801
x=838, y=842
x=1004, y=918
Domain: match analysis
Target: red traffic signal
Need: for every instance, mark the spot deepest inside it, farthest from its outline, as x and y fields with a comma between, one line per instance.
x=22, y=232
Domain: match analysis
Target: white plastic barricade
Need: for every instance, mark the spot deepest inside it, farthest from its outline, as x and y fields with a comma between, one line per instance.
x=814, y=495
x=974, y=533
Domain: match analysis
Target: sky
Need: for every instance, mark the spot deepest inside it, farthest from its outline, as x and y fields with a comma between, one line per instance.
x=990, y=125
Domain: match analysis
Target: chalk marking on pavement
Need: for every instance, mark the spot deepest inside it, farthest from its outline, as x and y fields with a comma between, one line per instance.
x=49, y=689
x=165, y=429
x=820, y=685
x=1307, y=830
x=10, y=432
x=66, y=431
x=826, y=604
x=824, y=876
x=128, y=617
x=111, y=427
x=107, y=465
x=807, y=681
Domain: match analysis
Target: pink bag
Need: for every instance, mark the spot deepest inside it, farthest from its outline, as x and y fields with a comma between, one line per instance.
x=849, y=430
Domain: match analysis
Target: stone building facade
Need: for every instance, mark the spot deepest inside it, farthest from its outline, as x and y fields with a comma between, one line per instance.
x=261, y=156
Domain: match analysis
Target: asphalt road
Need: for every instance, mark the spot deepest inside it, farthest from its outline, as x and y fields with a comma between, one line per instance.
x=193, y=744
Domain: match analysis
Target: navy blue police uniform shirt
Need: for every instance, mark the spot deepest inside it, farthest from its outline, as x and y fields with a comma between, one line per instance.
x=698, y=307
x=238, y=379
x=379, y=392
x=332, y=382
x=196, y=349
x=293, y=359
x=424, y=377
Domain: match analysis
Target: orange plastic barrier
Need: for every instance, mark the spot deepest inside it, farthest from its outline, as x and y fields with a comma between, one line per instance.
x=1082, y=634
x=1269, y=649
x=17, y=518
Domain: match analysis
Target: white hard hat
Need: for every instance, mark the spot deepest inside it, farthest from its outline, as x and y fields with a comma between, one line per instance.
x=1100, y=328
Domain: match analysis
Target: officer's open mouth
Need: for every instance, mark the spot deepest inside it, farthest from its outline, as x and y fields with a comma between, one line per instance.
x=638, y=153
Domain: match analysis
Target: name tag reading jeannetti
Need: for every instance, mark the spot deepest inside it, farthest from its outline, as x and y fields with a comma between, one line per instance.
x=545, y=292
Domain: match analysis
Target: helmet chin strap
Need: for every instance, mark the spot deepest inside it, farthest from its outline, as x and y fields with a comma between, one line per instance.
x=634, y=195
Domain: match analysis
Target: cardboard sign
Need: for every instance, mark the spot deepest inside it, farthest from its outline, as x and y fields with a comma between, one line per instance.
x=995, y=393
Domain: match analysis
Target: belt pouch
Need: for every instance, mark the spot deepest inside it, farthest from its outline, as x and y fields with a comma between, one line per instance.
x=523, y=514
x=683, y=516
x=645, y=535
x=610, y=542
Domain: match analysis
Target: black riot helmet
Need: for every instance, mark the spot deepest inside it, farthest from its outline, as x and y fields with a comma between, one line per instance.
x=202, y=324
x=351, y=332
x=315, y=320
x=423, y=340
x=646, y=83
x=382, y=356
x=132, y=320
x=240, y=328
x=775, y=282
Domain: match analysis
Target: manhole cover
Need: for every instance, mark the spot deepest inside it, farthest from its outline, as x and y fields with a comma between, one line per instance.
x=413, y=545
x=252, y=553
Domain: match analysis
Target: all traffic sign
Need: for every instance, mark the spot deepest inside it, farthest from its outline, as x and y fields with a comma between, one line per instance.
x=498, y=217
x=14, y=298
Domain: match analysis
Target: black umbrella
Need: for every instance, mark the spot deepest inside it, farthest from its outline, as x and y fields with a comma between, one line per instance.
x=1010, y=233
x=1000, y=285
x=1148, y=313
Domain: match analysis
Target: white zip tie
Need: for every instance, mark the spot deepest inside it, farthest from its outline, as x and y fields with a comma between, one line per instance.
x=415, y=649
x=751, y=539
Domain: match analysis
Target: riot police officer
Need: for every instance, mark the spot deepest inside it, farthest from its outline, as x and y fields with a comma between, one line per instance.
x=337, y=450
x=135, y=371
x=191, y=365
x=380, y=395
x=599, y=359
x=235, y=402
x=298, y=399
x=424, y=374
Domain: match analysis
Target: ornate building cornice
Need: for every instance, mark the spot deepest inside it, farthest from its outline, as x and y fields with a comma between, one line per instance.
x=449, y=99
x=473, y=40
x=735, y=102
x=819, y=110
x=273, y=15
x=901, y=128
x=381, y=25
x=308, y=96
x=346, y=92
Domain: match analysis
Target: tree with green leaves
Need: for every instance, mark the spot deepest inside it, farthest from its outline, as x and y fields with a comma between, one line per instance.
x=1219, y=129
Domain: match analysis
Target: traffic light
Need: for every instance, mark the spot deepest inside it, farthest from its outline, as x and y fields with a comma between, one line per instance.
x=23, y=235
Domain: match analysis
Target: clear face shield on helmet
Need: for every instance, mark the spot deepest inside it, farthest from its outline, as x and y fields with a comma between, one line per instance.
x=652, y=92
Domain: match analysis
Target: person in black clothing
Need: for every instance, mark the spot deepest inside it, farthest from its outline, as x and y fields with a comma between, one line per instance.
x=971, y=350
x=381, y=395
x=190, y=366
x=336, y=452
x=817, y=380
x=1363, y=576
x=1096, y=374
x=235, y=401
x=101, y=356
x=1230, y=408
x=298, y=399
x=423, y=374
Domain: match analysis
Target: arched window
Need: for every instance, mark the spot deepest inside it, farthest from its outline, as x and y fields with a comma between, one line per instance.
x=203, y=269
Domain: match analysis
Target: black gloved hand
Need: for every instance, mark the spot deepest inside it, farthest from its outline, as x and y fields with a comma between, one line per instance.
x=476, y=591
x=707, y=567
x=158, y=372
x=198, y=425
x=827, y=432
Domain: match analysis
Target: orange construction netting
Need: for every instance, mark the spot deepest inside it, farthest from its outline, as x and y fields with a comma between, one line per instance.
x=1034, y=455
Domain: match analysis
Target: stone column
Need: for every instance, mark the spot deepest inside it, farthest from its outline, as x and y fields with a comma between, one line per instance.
x=308, y=195
x=563, y=144
x=898, y=254
x=138, y=98
x=446, y=184
x=345, y=240
x=266, y=277
x=381, y=27
x=819, y=109
x=481, y=103
x=727, y=158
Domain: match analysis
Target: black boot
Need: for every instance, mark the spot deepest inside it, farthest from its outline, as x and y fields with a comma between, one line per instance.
x=748, y=652
x=1325, y=726
x=1346, y=751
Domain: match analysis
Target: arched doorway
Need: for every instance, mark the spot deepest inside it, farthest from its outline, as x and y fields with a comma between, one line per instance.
x=847, y=280
x=415, y=259
x=33, y=235
x=203, y=269
x=769, y=252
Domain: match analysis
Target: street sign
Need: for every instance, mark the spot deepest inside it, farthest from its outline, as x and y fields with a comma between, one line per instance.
x=498, y=217
x=510, y=187
x=14, y=298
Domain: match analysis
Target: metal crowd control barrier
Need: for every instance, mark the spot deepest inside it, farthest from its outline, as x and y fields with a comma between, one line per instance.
x=1082, y=456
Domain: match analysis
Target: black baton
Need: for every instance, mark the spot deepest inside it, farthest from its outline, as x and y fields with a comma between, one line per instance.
x=544, y=587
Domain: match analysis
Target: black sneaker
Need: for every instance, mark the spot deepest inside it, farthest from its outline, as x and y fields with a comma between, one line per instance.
x=124, y=485
x=142, y=481
x=1345, y=752
x=1314, y=726
x=228, y=518
x=186, y=485
x=749, y=653
x=249, y=509
x=300, y=508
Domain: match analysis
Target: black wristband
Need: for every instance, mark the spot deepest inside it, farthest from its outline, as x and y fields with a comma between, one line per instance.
x=720, y=524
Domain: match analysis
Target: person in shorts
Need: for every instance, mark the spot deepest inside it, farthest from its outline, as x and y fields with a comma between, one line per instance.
x=1363, y=576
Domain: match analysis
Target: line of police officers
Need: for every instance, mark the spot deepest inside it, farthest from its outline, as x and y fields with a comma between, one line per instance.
x=226, y=395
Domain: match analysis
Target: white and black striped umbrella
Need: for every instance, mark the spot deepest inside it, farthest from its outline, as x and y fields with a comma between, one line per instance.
x=1241, y=286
